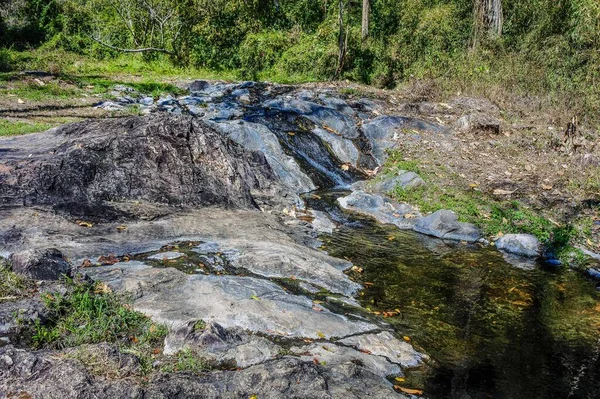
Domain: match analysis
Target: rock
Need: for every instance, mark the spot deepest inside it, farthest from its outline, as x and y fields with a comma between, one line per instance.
x=333, y=355
x=386, y=345
x=110, y=106
x=324, y=117
x=444, y=224
x=478, y=122
x=41, y=264
x=520, y=244
x=17, y=318
x=343, y=148
x=284, y=260
x=322, y=223
x=382, y=209
x=221, y=347
x=89, y=168
x=173, y=298
x=52, y=375
x=254, y=136
x=199, y=86
x=403, y=179
x=383, y=132
x=166, y=256
x=146, y=101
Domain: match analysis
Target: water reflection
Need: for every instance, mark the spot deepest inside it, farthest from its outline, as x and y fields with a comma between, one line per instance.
x=493, y=330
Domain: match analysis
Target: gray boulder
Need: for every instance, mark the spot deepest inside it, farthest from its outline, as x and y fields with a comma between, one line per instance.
x=87, y=169
x=520, y=244
x=478, y=122
x=382, y=209
x=444, y=224
x=41, y=264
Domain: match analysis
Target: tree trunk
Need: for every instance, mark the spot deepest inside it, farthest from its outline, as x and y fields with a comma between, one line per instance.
x=365, y=19
x=488, y=19
x=494, y=20
x=342, y=41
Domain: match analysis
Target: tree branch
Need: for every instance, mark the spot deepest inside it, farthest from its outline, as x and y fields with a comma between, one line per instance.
x=136, y=50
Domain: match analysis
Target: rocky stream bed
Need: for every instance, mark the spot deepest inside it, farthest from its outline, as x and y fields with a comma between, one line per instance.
x=209, y=210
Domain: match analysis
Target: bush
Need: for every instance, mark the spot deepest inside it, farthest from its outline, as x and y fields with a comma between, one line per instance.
x=260, y=51
x=6, y=60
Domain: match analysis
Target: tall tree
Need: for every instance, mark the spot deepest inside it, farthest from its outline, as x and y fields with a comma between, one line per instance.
x=488, y=19
x=365, y=19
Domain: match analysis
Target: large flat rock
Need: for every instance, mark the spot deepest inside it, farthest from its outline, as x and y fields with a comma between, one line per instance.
x=174, y=298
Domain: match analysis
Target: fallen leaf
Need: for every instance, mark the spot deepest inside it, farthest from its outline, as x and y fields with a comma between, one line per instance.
x=102, y=288
x=368, y=352
x=255, y=297
x=369, y=284
x=317, y=308
x=546, y=186
x=122, y=227
x=20, y=101
x=84, y=223
x=391, y=238
x=320, y=334
x=400, y=379
x=409, y=390
x=406, y=338
x=345, y=167
x=253, y=397
x=357, y=269
x=410, y=216
x=86, y=263
x=108, y=260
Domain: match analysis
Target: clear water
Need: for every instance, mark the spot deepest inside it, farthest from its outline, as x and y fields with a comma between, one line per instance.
x=491, y=329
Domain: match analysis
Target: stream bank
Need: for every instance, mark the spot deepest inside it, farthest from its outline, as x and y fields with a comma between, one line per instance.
x=199, y=219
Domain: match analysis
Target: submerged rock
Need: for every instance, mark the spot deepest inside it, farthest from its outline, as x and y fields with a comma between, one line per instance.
x=520, y=244
x=444, y=224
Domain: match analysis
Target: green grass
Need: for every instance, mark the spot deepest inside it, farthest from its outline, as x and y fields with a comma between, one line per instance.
x=12, y=286
x=10, y=128
x=491, y=215
x=186, y=361
x=89, y=314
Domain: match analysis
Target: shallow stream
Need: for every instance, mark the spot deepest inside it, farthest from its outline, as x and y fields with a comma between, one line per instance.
x=492, y=330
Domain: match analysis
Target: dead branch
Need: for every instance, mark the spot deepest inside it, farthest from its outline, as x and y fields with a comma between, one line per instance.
x=136, y=50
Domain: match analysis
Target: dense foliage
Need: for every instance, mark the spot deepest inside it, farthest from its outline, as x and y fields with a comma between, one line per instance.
x=545, y=44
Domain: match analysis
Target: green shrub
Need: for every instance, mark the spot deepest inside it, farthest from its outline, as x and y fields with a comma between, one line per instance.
x=260, y=51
